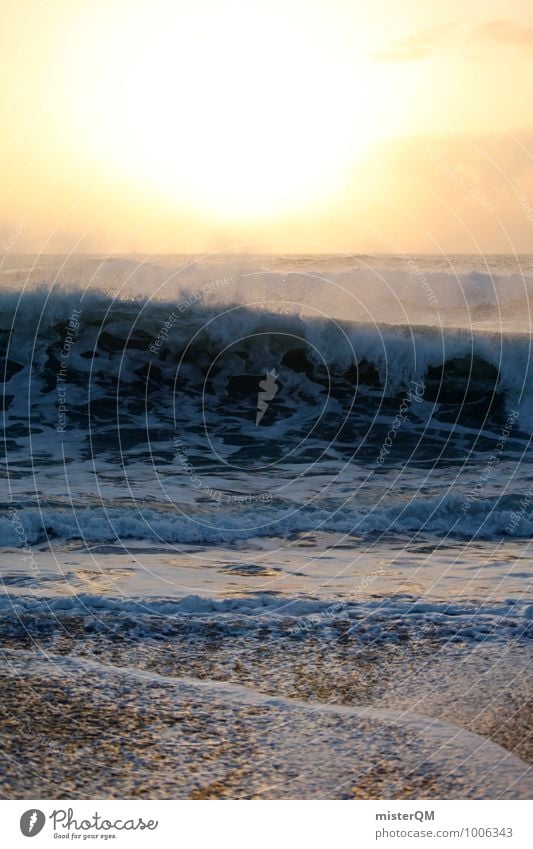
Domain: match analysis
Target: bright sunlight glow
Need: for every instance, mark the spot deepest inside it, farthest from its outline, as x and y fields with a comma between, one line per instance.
x=226, y=125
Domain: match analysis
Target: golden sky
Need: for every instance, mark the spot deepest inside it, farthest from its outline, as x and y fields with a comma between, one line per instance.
x=299, y=125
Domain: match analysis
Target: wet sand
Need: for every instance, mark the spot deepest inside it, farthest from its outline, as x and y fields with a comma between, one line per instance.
x=201, y=719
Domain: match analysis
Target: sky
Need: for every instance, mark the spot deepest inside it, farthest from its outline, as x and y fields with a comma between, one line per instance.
x=289, y=125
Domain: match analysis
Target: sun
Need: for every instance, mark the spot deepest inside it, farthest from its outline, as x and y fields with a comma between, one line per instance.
x=227, y=109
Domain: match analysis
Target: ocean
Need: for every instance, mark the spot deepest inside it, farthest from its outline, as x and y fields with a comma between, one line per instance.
x=266, y=522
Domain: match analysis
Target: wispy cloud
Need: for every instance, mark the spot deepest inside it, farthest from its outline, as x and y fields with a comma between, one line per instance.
x=417, y=46
x=509, y=31
x=420, y=45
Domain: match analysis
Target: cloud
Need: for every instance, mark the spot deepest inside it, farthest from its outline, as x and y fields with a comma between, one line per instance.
x=418, y=46
x=510, y=32
x=449, y=192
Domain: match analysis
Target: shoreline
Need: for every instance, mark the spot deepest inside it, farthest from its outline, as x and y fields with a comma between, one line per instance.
x=177, y=720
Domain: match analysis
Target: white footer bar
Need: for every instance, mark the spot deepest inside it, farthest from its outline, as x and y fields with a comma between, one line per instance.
x=267, y=825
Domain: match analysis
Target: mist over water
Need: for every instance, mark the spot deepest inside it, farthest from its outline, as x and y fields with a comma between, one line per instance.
x=490, y=292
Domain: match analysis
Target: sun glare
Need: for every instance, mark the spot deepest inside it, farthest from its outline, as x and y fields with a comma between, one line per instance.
x=230, y=126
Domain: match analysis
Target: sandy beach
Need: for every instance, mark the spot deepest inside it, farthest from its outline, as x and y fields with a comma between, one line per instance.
x=263, y=718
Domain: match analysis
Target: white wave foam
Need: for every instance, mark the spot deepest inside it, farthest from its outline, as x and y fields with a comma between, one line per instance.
x=487, y=518
x=380, y=620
